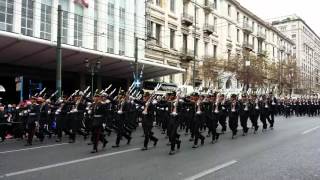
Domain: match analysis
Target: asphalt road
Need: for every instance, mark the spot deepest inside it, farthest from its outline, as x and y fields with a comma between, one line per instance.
x=289, y=152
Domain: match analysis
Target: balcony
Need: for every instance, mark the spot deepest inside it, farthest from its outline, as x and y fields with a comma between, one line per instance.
x=261, y=36
x=186, y=55
x=289, y=52
x=262, y=53
x=208, y=6
x=282, y=48
x=186, y=19
x=208, y=29
x=247, y=46
x=247, y=28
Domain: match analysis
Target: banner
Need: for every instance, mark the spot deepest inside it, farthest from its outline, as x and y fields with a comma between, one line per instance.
x=84, y=3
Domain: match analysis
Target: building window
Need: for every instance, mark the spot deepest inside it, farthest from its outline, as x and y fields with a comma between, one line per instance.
x=215, y=5
x=196, y=47
x=122, y=41
x=27, y=17
x=158, y=34
x=229, y=31
x=45, y=26
x=185, y=43
x=214, y=51
x=215, y=21
x=150, y=29
x=238, y=35
x=172, y=38
x=95, y=38
x=6, y=15
x=78, y=25
x=172, y=5
x=294, y=36
x=111, y=12
x=238, y=17
x=206, y=49
x=229, y=10
x=253, y=42
x=110, y=39
x=253, y=26
x=159, y=3
x=65, y=9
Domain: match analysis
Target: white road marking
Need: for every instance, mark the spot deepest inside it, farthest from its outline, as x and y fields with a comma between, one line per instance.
x=310, y=130
x=212, y=170
x=38, y=147
x=66, y=163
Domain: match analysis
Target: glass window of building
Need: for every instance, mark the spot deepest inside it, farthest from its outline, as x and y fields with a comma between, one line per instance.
x=229, y=10
x=45, y=25
x=172, y=6
x=6, y=15
x=150, y=29
x=206, y=49
x=159, y=3
x=78, y=25
x=215, y=21
x=65, y=9
x=27, y=17
x=238, y=17
x=122, y=41
x=110, y=39
x=238, y=35
x=95, y=38
x=215, y=5
x=229, y=30
x=172, y=38
x=158, y=34
x=214, y=51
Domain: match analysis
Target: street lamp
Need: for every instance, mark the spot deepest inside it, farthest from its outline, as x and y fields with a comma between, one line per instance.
x=93, y=68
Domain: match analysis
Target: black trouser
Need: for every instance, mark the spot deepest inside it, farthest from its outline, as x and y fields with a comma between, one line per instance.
x=233, y=123
x=263, y=119
x=97, y=135
x=271, y=118
x=197, y=124
x=214, y=119
x=3, y=131
x=244, y=121
x=31, y=129
x=61, y=125
x=172, y=130
x=121, y=131
x=147, y=129
x=223, y=121
x=254, y=120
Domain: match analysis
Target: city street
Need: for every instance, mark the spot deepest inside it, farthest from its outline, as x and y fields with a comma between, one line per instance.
x=290, y=151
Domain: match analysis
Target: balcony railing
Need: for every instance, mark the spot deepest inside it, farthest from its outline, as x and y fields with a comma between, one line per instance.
x=247, y=28
x=186, y=55
x=262, y=53
x=208, y=6
x=247, y=45
x=207, y=28
x=282, y=48
x=261, y=36
x=186, y=19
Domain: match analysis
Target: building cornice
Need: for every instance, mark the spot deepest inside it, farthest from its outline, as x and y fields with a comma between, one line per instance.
x=256, y=18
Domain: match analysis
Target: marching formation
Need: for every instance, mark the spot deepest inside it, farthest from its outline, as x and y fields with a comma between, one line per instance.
x=107, y=112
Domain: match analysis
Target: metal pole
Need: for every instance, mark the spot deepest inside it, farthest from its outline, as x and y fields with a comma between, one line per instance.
x=194, y=46
x=136, y=73
x=58, y=54
x=92, y=78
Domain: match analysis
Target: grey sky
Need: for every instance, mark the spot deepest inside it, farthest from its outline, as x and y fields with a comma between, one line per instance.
x=309, y=10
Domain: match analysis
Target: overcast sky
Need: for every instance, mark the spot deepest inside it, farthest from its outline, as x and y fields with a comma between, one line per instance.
x=309, y=10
